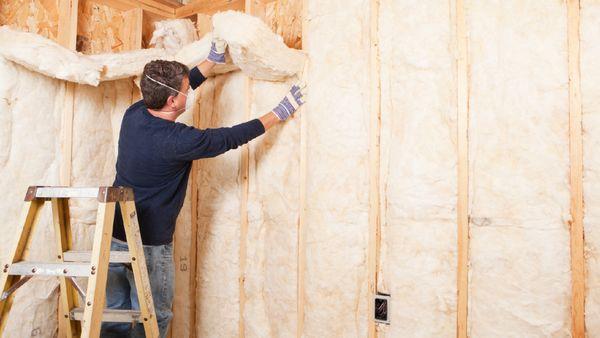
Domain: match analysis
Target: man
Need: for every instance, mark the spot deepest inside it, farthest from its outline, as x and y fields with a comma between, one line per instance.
x=155, y=158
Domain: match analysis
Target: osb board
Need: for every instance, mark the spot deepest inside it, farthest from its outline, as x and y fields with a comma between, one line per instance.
x=285, y=18
x=37, y=16
x=100, y=29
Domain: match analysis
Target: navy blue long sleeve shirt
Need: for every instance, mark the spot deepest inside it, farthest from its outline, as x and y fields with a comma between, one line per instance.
x=155, y=159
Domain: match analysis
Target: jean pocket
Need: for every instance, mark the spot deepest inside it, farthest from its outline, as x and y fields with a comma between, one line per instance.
x=116, y=246
x=167, y=250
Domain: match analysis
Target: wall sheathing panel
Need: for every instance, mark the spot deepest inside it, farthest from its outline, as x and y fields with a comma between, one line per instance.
x=219, y=196
x=100, y=29
x=519, y=167
x=590, y=95
x=337, y=186
x=36, y=16
x=418, y=168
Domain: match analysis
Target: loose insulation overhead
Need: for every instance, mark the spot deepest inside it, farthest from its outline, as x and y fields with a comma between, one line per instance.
x=171, y=35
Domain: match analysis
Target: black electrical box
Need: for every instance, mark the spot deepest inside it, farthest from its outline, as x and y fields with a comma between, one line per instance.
x=382, y=308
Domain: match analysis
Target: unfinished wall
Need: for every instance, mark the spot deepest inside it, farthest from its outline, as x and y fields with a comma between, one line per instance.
x=249, y=246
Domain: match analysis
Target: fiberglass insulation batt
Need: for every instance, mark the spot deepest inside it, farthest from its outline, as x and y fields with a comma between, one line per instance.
x=219, y=216
x=337, y=186
x=418, y=168
x=273, y=206
x=519, y=165
x=29, y=143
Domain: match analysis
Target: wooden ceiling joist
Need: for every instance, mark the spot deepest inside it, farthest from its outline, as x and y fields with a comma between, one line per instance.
x=159, y=7
x=209, y=7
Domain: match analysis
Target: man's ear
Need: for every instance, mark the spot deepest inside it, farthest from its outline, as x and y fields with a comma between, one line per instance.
x=170, y=100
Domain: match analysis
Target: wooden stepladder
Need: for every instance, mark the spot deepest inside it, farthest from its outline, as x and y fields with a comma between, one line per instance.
x=82, y=320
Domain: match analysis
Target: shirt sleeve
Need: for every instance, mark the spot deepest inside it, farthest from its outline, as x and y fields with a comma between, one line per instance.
x=196, y=78
x=192, y=143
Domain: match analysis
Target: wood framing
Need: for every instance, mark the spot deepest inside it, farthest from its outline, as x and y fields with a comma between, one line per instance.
x=150, y=6
x=67, y=23
x=244, y=173
x=576, y=172
x=301, y=288
x=66, y=133
x=210, y=7
x=67, y=298
x=194, y=243
x=132, y=33
x=374, y=163
x=462, y=92
x=203, y=24
x=67, y=37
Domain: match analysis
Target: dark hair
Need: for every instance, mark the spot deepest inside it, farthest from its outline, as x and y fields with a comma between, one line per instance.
x=170, y=73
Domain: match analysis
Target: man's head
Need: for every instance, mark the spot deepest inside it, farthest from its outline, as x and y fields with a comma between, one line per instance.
x=158, y=76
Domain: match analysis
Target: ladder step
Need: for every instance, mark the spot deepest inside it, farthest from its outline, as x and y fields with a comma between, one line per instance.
x=50, y=269
x=64, y=192
x=110, y=315
x=103, y=194
x=85, y=256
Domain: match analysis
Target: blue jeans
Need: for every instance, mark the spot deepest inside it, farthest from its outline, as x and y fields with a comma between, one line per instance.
x=121, y=292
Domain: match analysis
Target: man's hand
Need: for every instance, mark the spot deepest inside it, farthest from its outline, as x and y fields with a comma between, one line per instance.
x=290, y=103
x=217, y=50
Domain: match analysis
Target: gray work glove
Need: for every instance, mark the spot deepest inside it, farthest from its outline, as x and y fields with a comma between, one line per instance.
x=217, y=50
x=290, y=103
